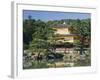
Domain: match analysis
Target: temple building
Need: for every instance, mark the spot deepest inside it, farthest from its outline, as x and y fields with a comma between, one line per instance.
x=65, y=41
x=63, y=33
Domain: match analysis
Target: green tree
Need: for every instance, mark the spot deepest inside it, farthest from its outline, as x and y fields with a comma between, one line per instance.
x=40, y=43
x=83, y=29
x=28, y=30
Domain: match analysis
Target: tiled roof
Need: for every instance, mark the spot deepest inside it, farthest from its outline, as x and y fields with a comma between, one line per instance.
x=69, y=35
x=60, y=25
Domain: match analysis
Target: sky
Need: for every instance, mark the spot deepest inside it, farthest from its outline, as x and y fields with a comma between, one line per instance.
x=51, y=15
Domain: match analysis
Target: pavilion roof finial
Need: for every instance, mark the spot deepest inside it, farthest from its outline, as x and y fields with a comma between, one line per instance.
x=64, y=22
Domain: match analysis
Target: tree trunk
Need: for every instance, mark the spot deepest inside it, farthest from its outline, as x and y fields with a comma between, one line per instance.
x=82, y=45
x=38, y=58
